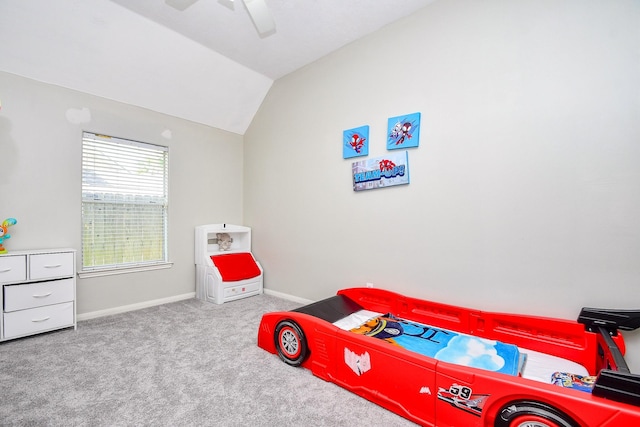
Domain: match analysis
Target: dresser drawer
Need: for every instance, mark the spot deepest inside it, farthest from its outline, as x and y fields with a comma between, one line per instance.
x=40, y=319
x=47, y=266
x=20, y=297
x=13, y=268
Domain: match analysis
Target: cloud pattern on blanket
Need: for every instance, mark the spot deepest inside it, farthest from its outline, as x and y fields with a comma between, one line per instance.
x=445, y=345
x=471, y=351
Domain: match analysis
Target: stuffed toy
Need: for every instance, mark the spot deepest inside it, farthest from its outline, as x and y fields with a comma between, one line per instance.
x=3, y=232
x=224, y=241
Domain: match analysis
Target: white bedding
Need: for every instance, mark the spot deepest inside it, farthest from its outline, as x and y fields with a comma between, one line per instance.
x=538, y=366
x=355, y=319
x=541, y=366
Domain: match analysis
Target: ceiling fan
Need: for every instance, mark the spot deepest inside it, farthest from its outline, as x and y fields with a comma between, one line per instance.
x=258, y=11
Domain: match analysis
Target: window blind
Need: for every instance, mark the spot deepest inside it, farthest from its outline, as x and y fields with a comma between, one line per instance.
x=124, y=203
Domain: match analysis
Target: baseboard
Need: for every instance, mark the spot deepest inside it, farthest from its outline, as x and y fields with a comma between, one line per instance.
x=132, y=307
x=287, y=296
x=152, y=303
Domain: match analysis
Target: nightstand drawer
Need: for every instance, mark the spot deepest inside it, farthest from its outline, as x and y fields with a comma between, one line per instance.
x=48, y=266
x=40, y=319
x=13, y=268
x=20, y=297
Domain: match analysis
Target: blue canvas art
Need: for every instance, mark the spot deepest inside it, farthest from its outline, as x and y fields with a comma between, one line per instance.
x=403, y=131
x=355, y=142
x=380, y=172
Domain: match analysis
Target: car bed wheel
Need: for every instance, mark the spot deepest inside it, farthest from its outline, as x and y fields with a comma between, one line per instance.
x=532, y=414
x=290, y=343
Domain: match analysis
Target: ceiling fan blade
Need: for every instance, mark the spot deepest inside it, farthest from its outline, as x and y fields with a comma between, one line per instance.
x=180, y=4
x=261, y=16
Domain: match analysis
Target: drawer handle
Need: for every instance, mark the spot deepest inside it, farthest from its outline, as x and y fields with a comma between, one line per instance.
x=42, y=295
x=44, y=319
x=5, y=270
x=53, y=266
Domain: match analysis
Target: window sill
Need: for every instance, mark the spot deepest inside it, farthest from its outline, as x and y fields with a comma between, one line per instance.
x=123, y=270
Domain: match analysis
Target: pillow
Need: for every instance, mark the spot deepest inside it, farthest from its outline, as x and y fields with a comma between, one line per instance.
x=578, y=382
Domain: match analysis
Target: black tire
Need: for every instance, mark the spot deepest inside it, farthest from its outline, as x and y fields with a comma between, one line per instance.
x=532, y=414
x=290, y=343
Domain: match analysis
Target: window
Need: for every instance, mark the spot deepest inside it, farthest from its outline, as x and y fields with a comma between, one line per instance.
x=124, y=204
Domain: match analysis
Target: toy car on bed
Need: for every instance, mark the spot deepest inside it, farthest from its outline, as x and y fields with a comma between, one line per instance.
x=443, y=365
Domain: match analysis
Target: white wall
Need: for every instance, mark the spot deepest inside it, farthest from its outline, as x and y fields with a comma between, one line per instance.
x=525, y=190
x=40, y=179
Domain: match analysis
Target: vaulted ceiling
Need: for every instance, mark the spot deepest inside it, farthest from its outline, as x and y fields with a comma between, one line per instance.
x=206, y=63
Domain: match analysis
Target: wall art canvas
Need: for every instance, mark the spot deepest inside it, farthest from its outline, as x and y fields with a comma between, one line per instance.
x=355, y=142
x=403, y=131
x=380, y=172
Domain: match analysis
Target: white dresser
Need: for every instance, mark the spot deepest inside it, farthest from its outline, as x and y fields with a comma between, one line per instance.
x=38, y=291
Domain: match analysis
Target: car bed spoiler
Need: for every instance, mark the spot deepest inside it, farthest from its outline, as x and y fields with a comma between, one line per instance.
x=615, y=381
x=611, y=320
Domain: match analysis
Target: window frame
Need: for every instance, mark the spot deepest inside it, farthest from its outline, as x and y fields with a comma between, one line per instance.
x=128, y=198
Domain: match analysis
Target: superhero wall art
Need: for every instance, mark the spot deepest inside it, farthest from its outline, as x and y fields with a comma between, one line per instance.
x=403, y=131
x=355, y=142
x=380, y=172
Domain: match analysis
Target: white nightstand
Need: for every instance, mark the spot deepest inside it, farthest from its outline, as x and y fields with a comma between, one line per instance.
x=38, y=291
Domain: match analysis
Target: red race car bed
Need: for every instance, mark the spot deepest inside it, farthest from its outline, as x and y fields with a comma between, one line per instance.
x=442, y=365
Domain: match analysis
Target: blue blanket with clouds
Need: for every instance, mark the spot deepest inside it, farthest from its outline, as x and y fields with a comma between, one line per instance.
x=444, y=345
